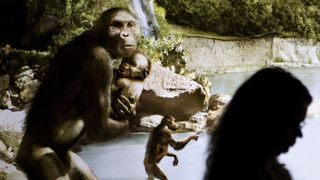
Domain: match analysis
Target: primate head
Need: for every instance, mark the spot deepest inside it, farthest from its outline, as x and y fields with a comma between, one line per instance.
x=136, y=66
x=117, y=29
x=170, y=122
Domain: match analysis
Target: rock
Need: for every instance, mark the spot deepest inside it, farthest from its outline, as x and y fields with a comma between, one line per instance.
x=10, y=172
x=167, y=93
x=189, y=126
x=12, y=59
x=212, y=119
x=217, y=100
x=6, y=168
x=26, y=83
x=6, y=153
x=216, y=106
x=25, y=69
x=296, y=51
x=206, y=84
x=5, y=101
x=4, y=82
x=199, y=117
x=208, y=55
x=195, y=123
x=150, y=121
x=16, y=175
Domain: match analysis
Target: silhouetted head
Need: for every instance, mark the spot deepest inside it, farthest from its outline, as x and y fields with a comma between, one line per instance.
x=265, y=114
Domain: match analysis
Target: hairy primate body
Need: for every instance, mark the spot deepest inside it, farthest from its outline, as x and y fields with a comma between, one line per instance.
x=157, y=147
x=128, y=83
x=74, y=99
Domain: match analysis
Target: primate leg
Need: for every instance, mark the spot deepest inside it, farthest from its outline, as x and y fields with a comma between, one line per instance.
x=42, y=163
x=153, y=170
x=79, y=170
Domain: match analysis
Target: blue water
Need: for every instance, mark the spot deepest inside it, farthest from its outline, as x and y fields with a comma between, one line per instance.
x=122, y=159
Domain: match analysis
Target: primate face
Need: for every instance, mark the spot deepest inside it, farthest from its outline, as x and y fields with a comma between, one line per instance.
x=134, y=67
x=172, y=124
x=123, y=31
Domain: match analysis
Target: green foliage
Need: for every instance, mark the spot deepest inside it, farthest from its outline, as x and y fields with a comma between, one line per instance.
x=164, y=49
x=311, y=2
x=198, y=14
x=78, y=16
x=296, y=18
x=161, y=18
x=278, y=60
x=247, y=17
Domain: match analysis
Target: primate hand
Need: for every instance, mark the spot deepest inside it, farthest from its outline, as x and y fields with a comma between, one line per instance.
x=126, y=108
x=175, y=161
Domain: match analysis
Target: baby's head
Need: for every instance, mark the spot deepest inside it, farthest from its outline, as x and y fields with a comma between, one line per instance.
x=136, y=66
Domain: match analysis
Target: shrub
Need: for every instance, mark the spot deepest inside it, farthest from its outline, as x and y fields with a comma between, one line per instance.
x=247, y=17
x=164, y=49
x=78, y=16
x=278, y=60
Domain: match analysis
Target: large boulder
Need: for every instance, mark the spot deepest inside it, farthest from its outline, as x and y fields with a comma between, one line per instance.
x=167, y=93
x=24, y=70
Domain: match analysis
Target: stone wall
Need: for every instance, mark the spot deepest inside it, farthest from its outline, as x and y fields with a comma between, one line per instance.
x=208, y=56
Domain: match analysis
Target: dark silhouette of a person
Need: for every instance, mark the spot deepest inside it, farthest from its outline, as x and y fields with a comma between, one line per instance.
x=262, y=120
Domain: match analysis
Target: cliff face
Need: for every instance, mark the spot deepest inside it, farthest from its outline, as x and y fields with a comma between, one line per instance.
x=207, y=56
x=296, y=50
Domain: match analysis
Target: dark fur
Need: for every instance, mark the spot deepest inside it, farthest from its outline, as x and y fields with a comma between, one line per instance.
x=73, y=99
x=157, y=147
